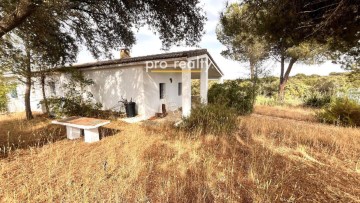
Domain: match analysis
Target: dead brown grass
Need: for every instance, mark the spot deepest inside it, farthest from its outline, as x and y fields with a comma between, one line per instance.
x=289, y=112
x=18, y=133
x=321, y=162
x=268, y=160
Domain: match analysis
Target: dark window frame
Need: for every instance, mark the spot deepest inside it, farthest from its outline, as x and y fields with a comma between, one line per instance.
x=179, y=89
x=52, y=86
x=162, y=88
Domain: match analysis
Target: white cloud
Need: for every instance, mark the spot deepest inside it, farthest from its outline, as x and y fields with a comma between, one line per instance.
x=148, y=43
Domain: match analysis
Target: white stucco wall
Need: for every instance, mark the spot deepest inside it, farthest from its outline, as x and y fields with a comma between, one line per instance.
x=17, y=104
x=143, y=87
x=152, y=91
x=110, y=85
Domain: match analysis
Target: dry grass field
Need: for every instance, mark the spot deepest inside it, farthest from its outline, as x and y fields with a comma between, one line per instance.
x=17, y=133
x=270, y=159
x=295, y=113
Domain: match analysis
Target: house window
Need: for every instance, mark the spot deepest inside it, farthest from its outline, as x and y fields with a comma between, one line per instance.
x=52, y=88
x=162, y=90
x=180, y=89
x=13, y=93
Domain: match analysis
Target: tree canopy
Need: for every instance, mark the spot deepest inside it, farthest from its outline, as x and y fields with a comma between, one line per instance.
x=306, y=30
x=36, y=35
x=100, y=25
x=236, y=32
x=334, y=23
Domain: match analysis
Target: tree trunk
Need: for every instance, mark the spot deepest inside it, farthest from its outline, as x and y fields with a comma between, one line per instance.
x=281, y=87
x=254, y=80
x=282, y=91
x=23, y=10
x=29, y=115
x=252, y=69
x=284, y=77
x=44, y=94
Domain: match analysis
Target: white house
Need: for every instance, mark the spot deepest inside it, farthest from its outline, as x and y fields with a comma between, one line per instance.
x=150, y=81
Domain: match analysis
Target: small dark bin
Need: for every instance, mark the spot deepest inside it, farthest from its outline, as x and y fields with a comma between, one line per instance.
x=130, y=109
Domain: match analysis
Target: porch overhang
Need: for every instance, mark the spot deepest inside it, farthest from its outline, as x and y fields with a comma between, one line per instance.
x=192, y=64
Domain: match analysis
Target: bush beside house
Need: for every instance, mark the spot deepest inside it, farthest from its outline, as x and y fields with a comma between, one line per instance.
x=220, y=116
x=76, y=101
x=215, y=119
x=239, y=95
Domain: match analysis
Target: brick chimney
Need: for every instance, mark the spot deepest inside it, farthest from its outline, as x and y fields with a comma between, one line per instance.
x=124, y=53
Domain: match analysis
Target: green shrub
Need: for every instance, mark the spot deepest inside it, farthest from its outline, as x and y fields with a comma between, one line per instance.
x=212, y=119
x=300, y=86
x=5, y=88
x=317, y=100
x=74, y=106
x=239, y=95
x=341, y=111
x=3, y=98
x=77, y=101
x=195, y=86
x=267, y=101
x=296, y=88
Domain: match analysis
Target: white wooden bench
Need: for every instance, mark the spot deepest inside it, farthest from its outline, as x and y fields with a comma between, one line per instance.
x=90, y=126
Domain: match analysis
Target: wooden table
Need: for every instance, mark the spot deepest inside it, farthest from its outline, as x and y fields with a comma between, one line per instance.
x=90, y=126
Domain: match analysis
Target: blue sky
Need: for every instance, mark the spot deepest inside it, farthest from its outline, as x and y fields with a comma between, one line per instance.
x=148, y=43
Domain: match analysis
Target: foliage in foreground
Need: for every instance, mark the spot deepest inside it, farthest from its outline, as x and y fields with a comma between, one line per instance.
x=234, y=94
x=342, y=111
x=212, y=119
